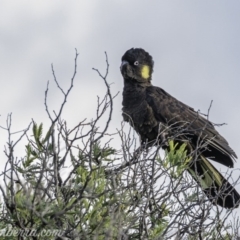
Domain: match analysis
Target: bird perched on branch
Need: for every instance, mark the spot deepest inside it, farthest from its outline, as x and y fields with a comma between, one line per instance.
x=157, y=116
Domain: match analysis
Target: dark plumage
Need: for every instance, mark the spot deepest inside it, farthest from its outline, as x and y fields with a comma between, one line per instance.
x=150, y=110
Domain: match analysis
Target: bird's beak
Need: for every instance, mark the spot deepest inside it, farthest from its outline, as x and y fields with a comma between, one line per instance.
x=123, y=63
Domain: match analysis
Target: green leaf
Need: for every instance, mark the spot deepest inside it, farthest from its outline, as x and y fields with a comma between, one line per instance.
x=28, y=162
x=37, y=133
x=48, y=135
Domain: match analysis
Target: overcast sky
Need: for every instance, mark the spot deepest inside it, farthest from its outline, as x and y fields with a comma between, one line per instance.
x=195, y=46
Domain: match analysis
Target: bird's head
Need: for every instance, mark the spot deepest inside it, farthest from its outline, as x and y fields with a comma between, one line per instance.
x=137, y=65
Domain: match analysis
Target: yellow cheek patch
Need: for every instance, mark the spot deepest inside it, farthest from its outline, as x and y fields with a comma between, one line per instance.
x=145, y=72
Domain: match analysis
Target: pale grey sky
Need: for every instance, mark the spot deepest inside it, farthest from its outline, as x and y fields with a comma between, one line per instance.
x=195, y=46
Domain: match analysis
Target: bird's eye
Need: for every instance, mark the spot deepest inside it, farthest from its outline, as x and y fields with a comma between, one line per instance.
x=136, y=63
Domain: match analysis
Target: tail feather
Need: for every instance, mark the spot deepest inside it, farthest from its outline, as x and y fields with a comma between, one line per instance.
x=214, y=185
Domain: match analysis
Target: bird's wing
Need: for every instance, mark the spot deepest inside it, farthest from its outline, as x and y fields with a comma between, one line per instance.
x=172, y=112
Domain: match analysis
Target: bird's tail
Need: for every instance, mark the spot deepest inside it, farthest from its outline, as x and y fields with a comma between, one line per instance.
x=214, y=185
